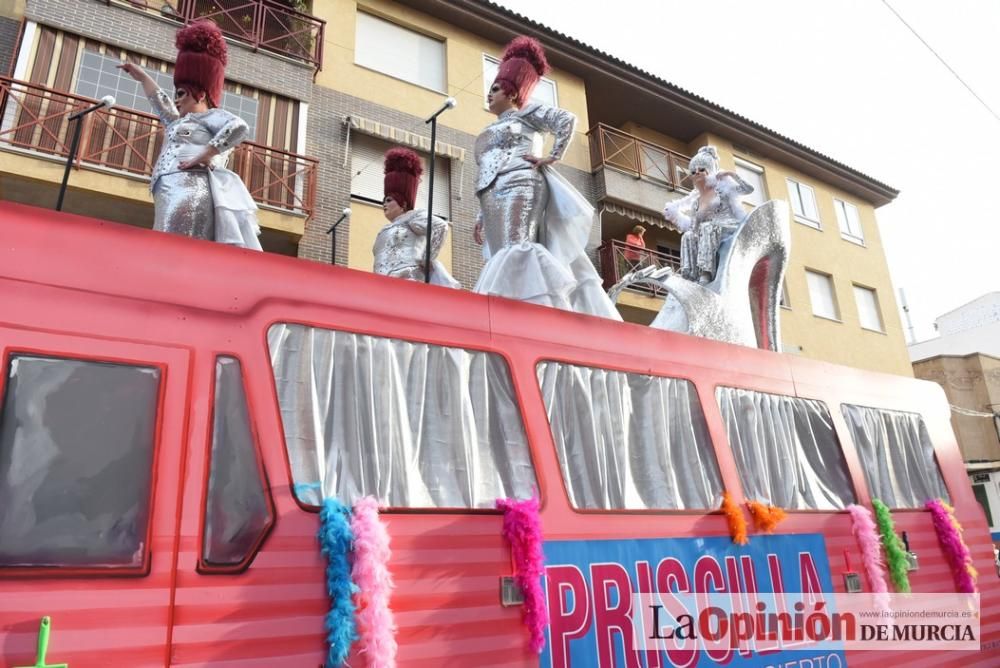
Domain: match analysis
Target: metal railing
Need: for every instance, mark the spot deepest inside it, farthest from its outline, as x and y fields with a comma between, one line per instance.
x=611, y=147
x=263, y=24
x=619, y=258
x=35, y=119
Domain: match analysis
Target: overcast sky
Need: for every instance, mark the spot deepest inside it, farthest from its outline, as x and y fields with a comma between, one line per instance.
x=848, y=79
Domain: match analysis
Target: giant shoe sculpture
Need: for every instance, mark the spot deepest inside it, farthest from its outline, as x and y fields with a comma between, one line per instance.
x=742, y=304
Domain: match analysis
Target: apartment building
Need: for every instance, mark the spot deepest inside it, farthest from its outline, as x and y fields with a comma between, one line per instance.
x=327, y=86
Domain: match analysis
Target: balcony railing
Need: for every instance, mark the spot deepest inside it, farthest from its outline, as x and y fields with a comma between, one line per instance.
x=35, y=119
x=619, y=258
x=263, y=24
x=610, y=147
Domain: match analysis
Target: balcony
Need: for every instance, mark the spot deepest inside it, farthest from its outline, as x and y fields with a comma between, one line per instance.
x=618, y=258
x=269, y=25
x=634, y=171
x=34, y=120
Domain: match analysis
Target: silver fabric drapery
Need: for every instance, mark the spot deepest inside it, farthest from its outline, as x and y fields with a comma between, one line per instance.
x=897, y=455
x=787, y=452
x=629, y=441
x=413, y=424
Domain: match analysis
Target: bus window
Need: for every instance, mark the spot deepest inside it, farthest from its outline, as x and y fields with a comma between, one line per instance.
x=897, y=456
x=786, y=450
x=628, y=441
x=76, y=457
x=413, y=424
x=237, y=507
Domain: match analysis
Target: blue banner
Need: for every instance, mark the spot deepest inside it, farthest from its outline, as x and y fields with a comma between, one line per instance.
x=590, y=584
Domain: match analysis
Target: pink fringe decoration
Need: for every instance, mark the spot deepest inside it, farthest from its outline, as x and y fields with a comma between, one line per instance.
x=950, y=536
x=866, y=533
x=376, y=629
x=522, y=527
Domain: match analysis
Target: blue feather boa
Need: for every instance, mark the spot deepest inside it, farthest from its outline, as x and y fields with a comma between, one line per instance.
x=336, y=540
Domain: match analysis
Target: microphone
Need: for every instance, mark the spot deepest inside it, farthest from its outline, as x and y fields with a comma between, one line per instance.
x=345, y=214
x=449, y=103
x=106, y=101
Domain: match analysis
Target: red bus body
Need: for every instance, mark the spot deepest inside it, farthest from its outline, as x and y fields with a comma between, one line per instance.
x=79, y=287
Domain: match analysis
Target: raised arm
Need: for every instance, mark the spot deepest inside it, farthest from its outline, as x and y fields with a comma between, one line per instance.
x=158, y=99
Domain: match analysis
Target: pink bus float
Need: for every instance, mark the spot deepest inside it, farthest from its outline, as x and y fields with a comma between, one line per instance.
x=173, y=412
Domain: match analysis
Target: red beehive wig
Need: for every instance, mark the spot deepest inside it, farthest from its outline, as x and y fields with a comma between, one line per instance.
x=201, y=60
x=522, y=65
x=402, y=176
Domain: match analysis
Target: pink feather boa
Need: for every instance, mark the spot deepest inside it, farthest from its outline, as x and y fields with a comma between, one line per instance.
x=949, y=533
x=522, y=527
x=866, y=533
x=376, y=629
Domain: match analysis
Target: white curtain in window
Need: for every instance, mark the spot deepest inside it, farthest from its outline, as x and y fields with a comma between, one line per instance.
x=787, y=452
x=824, y=301
x=897, y=456
x=868, y=311
x=399, y=52
x=413, y=424
x=754, y=177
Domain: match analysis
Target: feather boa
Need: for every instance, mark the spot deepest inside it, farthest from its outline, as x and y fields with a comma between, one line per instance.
x=335, y=539
x=765, y=518
x=734, y=517
x=866, y=534
x=949, y=533
x=376, y=629
x=522, y=527
x=899, y=565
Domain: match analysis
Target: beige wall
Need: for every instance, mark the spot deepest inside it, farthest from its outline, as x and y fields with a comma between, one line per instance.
x=464, y=54
x=655, y=137
x=366, y=220
x=13, y=9
x=971, y=382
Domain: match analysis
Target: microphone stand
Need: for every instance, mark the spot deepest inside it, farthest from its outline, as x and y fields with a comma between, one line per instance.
x=333, y=236
x=75, y=145
x=449, y=103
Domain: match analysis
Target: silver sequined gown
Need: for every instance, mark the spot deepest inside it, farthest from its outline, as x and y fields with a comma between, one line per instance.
x=210, y=204
x=401, y=245
x=707, y=228
x=535, y=224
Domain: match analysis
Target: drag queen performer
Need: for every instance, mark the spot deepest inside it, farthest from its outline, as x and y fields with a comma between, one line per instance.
x=401, y=245
x=534, y=225
x=708, y=215
x=193, y=193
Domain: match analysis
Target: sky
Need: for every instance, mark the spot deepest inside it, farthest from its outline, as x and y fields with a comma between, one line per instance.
x=849, y=79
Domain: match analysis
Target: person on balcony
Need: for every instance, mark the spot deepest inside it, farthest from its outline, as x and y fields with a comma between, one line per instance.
x=635, y=242
x=194, y=194
x=401, y=246
x=532, y=223
x=708, y=215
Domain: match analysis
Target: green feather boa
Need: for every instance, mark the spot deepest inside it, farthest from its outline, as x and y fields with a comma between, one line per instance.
x=895, y=554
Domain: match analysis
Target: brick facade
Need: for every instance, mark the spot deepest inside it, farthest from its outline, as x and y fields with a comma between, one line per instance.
x=153, y=35
x=326, y=140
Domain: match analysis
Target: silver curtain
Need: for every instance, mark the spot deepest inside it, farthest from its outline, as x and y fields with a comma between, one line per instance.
x=629, y=441
x=897, y=455
x=786, y=450
x=413, y=424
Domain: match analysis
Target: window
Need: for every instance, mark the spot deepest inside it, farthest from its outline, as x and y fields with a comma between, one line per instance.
x=803, y=203
x=367, y=175
x=868, y=310
x=849, y=221
x=822, y=295
x=399, y=52
x=237, y=507
x=754, y=175
x=76, y=462
x=897, y=456
x=983, y=497
x=413, y=424
x=787, y=452
x=629, y=440
x=99, y=76
x=784, y=302
x=545, y=91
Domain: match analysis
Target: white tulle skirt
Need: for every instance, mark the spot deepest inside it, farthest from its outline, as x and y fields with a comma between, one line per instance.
x=235, y=211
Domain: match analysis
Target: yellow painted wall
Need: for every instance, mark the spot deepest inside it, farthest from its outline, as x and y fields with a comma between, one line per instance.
x=366, y=221
x=464, y=62
x=12, y=9
x=655, y=137
x=825, y=251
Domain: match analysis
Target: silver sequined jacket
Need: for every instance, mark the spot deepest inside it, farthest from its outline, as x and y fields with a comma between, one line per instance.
x=399, y=245
x=187, y=137
x=501, y=147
